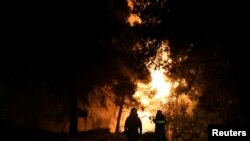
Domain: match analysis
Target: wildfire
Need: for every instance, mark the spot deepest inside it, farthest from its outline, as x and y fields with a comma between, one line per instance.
x=158, y=93
x=153, y=95
x=161, y=85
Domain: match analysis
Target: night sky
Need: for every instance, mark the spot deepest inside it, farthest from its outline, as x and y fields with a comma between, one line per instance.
x=57, y=41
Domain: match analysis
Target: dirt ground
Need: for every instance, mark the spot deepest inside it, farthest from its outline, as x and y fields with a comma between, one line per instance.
x=38, y=135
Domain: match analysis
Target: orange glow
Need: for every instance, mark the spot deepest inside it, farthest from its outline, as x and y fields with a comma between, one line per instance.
x=131, y=4
x=133, y=18
x=153, y=95
x=160, y=91
x=160, y=84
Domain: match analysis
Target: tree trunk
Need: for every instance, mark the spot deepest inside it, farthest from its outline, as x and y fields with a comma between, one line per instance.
x=119, y=115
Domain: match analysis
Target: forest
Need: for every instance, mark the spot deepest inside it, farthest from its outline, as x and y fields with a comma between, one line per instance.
x=74, y=70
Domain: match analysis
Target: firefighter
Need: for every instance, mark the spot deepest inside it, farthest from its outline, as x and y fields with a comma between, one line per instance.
x=160, y=126
x=133, y=126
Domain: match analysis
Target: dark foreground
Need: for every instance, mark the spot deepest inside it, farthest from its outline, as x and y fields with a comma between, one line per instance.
x=9, y=134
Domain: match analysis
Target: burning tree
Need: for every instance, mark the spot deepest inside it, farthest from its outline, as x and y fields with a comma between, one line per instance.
x=183, y=81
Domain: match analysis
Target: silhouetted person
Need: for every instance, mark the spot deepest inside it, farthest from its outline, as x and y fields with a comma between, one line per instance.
x=160, y=126
x=133, y=126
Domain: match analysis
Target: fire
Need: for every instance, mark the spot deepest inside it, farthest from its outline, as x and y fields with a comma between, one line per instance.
x=132, y=19
x=158, y=93
x=161, y=85
x=154, y=95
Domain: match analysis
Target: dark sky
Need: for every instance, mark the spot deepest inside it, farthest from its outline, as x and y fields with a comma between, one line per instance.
x=61, y=32
x=48, y=25
x=210, y=20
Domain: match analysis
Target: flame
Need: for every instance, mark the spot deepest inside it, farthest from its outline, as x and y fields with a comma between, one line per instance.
x=153, y=95
x=133, y=19
x=156, y=94
x=160, y=84
x=130, y=4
